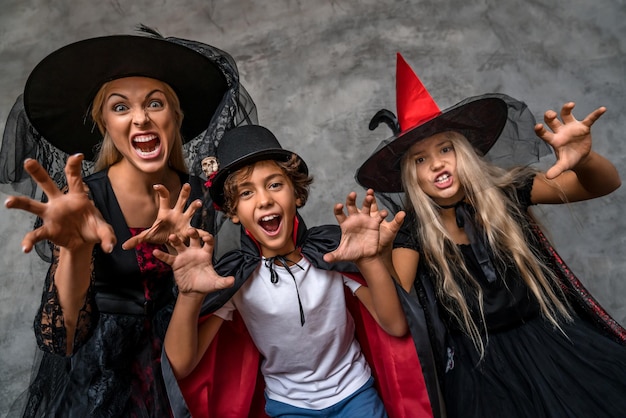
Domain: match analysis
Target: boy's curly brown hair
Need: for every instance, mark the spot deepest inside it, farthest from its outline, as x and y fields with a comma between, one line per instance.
x=300, y=181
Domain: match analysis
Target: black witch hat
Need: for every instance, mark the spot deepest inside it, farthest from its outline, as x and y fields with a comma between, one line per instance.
x=61, y=88
x=480, y=119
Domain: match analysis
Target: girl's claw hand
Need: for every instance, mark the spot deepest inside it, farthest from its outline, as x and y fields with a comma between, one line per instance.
x=70, y=220
x=169, y=221
x=193, y=263
x=570, y=138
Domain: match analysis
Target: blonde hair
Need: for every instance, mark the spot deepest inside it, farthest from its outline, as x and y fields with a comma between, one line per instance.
x=491, y=191
x=108, y=154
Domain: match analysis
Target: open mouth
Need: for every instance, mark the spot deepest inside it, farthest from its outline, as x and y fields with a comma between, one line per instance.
x=270, y=223
x=442, y=178
x=147, y=145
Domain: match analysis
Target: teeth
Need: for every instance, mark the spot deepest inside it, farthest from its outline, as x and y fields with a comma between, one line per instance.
x=144, y=138
x=269, y=218
x=442, y=178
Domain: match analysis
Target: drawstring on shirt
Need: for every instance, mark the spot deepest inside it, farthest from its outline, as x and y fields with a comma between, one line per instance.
x=284, y=261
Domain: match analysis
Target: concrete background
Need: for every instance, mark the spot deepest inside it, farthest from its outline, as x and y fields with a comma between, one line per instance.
x=318, y=71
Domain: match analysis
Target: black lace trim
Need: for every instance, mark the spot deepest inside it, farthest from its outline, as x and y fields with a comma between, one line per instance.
x=49, y=325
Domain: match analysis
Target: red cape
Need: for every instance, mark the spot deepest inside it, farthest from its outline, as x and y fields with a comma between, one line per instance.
x=228, y=382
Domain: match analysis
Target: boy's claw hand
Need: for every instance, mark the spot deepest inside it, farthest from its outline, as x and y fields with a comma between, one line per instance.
x=193, y=264
x=169, y=221
x=570, y=138
x=359, y=229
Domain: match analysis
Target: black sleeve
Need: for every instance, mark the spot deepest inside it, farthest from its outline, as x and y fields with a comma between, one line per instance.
x=524, y=191
x=406, y=237
x=49, y=324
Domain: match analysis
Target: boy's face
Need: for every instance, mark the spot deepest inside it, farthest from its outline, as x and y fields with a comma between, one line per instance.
x=266, y=207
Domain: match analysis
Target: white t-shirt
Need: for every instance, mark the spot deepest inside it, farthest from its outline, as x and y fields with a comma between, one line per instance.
x=314, y=365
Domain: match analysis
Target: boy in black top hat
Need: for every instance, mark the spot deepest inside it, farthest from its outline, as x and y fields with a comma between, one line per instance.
x=286, y=289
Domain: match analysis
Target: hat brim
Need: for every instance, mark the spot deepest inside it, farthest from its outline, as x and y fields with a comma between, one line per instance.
x=216, y=190
x=61, y=88
x=481, y=121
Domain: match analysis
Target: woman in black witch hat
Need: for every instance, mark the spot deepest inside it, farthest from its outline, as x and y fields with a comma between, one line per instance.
x=514, y=333
x=129, y=103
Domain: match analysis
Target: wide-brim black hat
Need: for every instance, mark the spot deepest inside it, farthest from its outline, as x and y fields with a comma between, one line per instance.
x=60, y=89
x=243, y=146
x=480, y=119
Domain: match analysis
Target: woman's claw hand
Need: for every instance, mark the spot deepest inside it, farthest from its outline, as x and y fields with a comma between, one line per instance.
x=169, y=221
x=70, y=220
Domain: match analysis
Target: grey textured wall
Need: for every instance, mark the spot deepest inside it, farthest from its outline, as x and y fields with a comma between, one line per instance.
x=318, y=70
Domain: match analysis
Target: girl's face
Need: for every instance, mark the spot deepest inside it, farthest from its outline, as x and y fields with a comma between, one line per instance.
x=266, y=207
x=140, y=121
x=434, y=160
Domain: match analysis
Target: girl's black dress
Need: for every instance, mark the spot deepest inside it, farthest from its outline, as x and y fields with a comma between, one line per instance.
x=115, y=368
x=530, y=368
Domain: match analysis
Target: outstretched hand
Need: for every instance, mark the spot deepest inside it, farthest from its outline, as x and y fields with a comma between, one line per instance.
x=193, y=263
x=570, y=138
x=364, y=230
x=169, y=221
x=70, y=220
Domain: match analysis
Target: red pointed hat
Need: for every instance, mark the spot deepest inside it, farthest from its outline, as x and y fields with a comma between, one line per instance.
x=480, y=119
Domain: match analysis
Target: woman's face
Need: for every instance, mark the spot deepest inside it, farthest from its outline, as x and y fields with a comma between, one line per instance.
x=140, y=121
x=434, y=160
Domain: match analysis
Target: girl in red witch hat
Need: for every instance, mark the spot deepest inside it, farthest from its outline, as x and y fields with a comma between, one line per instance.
x=513, y=331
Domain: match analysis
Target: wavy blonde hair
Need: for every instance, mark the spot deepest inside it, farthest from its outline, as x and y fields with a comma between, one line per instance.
x=108, y=154
x=491, y=191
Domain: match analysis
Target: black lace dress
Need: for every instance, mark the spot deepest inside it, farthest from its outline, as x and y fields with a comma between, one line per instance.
x=530, y=368
x=115, y=368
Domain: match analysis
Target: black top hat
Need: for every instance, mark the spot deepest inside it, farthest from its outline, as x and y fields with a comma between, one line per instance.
x=242, y=146
x=480, y=119
x=61, y=88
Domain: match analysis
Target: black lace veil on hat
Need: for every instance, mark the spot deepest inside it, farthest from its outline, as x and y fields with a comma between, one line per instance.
x=21, y=140
x=499, y=127
x=517, y=144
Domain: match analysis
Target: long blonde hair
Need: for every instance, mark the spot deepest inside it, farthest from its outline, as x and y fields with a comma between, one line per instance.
x=108, y=154
x=491, y=191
